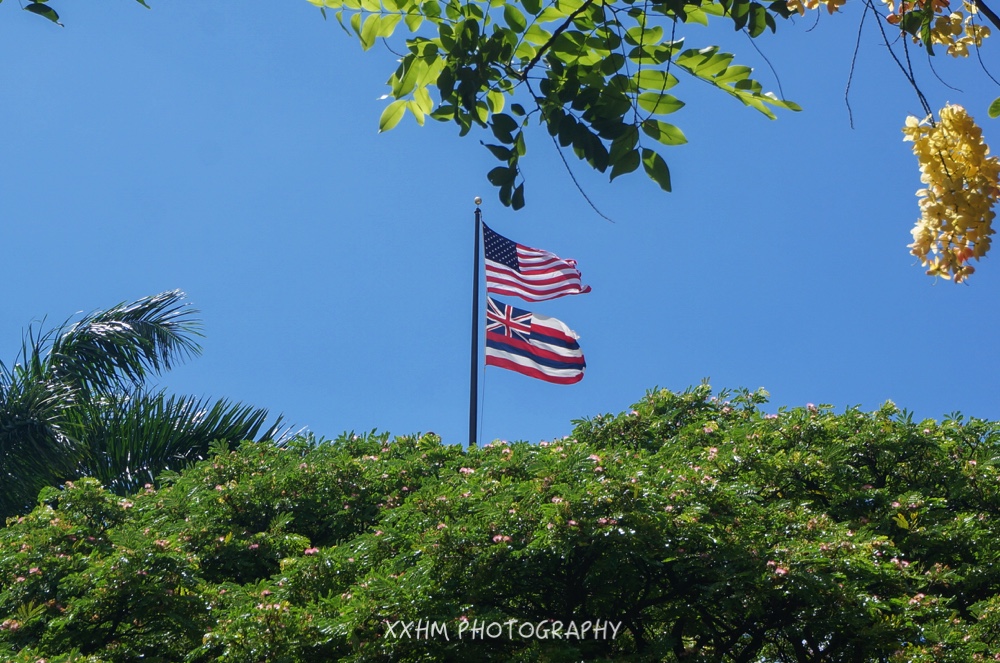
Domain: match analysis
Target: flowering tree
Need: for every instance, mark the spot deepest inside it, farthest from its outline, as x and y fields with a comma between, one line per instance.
x=690, y=528
x=600, y=77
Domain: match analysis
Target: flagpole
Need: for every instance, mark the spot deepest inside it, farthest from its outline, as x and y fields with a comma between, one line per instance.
x=474, y=373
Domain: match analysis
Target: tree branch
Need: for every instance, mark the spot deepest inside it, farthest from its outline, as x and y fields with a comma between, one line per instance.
x=555, y=35
x=987, y=12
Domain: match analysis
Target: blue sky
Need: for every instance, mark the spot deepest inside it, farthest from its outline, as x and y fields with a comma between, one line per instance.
x=234, y=154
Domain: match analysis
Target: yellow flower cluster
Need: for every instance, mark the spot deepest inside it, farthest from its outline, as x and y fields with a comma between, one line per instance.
x=801, y=6
x=963, y=184
x=956, y=30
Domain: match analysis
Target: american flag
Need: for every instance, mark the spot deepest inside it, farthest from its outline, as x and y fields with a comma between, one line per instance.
x=531, y=274
x=534, y=345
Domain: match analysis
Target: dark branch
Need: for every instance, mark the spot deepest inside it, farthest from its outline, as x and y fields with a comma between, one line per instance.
x=987, y=12
x=555, y=35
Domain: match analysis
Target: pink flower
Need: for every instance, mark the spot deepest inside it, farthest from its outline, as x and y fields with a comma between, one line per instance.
x=253, y=546
x=594, y=457
x=441, y=525
x=466, y=470
x=572, y=523
x=34, y=569
x=311, y=551
x=501, y=538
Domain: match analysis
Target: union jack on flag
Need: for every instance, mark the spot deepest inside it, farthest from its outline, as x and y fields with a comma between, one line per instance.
x=507, y=320
x=534, y=345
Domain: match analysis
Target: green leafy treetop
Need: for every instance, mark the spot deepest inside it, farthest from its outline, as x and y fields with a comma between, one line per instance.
x=600, y=78
x=703, y=527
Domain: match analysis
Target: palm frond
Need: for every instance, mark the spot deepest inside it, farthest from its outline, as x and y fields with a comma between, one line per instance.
x=39, y=445
x=132, y=437
x=107, y=350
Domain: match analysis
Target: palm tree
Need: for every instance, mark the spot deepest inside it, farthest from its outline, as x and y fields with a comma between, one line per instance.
x=75, y=404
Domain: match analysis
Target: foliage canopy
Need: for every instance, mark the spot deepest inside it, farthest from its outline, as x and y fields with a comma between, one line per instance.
x=600, y=78
x=710, y=530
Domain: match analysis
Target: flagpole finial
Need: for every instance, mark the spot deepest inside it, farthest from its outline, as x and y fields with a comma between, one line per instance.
x=478, y=201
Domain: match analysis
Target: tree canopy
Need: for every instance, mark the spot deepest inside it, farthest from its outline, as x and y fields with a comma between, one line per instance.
x=601, y=78
x=703, y=527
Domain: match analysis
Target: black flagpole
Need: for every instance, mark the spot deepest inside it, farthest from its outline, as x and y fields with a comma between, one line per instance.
x=474, y=374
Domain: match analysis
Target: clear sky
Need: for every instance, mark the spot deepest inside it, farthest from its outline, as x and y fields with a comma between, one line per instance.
x=232, y=151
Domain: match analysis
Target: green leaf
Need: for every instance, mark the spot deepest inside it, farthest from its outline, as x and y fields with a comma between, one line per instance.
x=654, y=79
x=496, y=100
x=758, y=19
x=391, y=116
x=994, y=110
x=533, y=7
x=502, y=175
x=623, y=143
x=536, y=35
x=627, y=164
x=369, y=31
x=519, y=145
x=417, y=111
x=44, y=11
x=659, y=104
x=500, y=152
x=665, y=133
x=514, y=18
x=503, y=127
x=656, y=168
x=388, y=25
x=422, y=97
x=413, y=21
x=517, y=200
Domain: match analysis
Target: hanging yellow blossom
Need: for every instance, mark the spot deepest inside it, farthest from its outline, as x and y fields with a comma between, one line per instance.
x=956, y=30
x=801, y=6
x=962, y=186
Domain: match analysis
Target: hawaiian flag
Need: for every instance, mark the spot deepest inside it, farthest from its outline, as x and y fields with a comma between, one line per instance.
x=531, y=274
x=532, y=344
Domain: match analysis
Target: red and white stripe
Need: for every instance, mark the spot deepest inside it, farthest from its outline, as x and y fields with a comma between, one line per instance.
x=543, y=276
